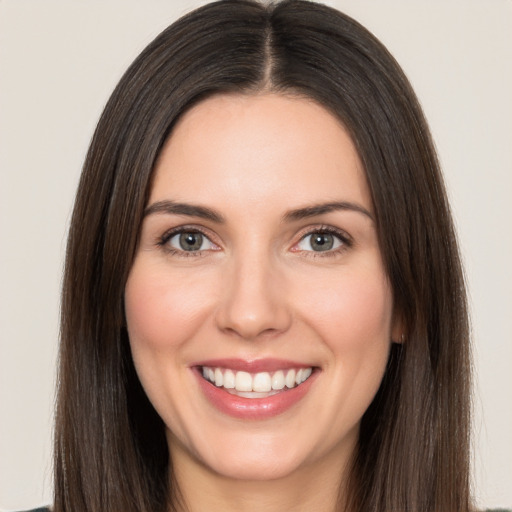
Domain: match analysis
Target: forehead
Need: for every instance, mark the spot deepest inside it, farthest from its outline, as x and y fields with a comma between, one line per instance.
x=265, y=147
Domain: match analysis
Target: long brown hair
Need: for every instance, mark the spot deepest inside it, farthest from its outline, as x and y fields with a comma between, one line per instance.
x=110, y=449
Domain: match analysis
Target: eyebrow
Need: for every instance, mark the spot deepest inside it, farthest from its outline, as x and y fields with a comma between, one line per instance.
x=191, y=210
x=319, y=209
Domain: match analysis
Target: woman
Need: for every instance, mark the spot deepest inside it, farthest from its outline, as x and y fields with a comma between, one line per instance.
x=263, y=302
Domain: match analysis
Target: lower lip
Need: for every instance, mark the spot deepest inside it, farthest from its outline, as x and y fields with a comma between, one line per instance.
x=253, y=408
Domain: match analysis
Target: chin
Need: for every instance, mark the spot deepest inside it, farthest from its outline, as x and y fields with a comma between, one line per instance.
x=249, y=456
x=256, y=470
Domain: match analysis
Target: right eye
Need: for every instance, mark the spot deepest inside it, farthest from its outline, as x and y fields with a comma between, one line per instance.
x=189, y=241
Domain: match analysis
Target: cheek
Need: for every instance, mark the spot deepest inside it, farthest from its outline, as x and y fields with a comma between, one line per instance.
x=353, y=309
x=163, y=309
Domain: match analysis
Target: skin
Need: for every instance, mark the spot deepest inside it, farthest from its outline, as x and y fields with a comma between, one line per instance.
x=257, y=289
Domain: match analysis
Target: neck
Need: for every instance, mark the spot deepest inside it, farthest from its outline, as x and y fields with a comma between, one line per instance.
x=318, y=486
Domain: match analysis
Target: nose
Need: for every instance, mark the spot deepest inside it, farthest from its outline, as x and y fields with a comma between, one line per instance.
x=254, y=302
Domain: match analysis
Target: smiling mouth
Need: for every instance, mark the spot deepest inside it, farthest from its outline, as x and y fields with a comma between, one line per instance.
x=256, y=385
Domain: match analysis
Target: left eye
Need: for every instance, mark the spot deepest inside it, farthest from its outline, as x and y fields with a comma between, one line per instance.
x=320, y=242
x=190, y=241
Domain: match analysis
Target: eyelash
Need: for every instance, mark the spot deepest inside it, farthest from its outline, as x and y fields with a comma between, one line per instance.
x=343, y=237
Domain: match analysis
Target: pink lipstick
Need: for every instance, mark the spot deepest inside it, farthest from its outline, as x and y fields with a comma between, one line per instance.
x=255, y=389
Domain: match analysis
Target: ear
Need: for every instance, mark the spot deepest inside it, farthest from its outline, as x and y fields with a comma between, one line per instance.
x=398, y=328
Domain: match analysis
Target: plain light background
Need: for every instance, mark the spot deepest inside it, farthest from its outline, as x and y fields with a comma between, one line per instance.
x=60, y=60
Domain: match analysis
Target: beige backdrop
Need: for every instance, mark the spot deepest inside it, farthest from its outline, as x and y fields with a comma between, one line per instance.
x=60, y=59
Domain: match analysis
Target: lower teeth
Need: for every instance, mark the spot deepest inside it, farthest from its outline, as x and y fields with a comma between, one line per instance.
x=253, y=394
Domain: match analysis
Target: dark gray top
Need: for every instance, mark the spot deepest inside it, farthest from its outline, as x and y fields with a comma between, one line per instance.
x=46, y=509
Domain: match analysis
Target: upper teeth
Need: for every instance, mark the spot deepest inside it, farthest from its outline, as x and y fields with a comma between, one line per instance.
x=262, y=382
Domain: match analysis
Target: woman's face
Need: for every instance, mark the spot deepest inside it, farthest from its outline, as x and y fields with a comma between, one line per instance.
x=259, y=267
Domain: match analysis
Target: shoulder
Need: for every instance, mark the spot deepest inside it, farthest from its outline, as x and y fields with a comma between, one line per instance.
x=40, y=509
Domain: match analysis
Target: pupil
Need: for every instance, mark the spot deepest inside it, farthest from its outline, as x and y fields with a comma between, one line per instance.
x=322, y=242
x=191, y=241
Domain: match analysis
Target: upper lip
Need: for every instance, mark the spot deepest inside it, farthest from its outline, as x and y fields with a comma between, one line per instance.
x=252, y=365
